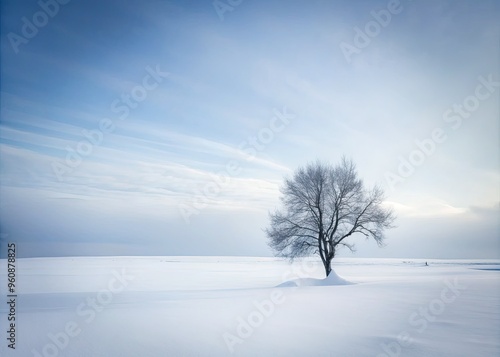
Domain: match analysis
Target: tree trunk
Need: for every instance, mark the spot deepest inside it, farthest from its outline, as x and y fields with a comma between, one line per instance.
x=328, y=267
x=327, y=262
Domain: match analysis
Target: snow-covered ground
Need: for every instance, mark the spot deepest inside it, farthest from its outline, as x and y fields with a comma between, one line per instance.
x=217, y=306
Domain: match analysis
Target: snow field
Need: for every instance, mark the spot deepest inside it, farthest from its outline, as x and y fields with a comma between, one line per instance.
x=245, y=306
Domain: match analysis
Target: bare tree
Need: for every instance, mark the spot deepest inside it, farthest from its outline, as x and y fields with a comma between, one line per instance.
x=324, y=205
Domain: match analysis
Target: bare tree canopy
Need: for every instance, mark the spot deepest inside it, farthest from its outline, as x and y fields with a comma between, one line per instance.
x=324, y=205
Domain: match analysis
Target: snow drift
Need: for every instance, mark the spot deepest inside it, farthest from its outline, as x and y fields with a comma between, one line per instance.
x=331, y=279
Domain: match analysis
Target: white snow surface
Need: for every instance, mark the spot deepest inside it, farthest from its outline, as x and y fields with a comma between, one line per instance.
x=247, y=306
x=331, y=279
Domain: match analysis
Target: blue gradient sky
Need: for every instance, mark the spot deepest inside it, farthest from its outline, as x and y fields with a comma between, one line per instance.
x=226, y=81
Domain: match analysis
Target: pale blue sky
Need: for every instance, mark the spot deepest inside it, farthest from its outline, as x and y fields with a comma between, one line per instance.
x=226, y=81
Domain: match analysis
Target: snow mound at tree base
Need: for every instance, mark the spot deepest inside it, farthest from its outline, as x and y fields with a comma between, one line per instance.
x=331, y=279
